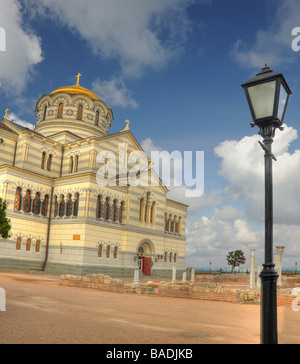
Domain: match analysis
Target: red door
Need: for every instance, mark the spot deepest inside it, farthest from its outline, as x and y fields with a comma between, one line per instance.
x=146, y=267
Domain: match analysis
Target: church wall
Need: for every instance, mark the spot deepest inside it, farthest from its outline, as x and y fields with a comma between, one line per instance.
x=24, y=227
x=29, y=156
x=7, y=149
x=65, y=252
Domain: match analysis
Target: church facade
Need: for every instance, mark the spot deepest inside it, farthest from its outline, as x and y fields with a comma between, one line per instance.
x=65, y=217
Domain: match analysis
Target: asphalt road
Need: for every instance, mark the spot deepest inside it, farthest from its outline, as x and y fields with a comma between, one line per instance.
x=40, y=311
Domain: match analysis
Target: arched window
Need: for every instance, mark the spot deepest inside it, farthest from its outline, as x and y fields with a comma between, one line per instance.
x=28, y=245
x=179, y=226
x=172, y=224
x=114, y=212
x=142, y=209
x=37, y=246
x=55, y=206
x=106, y=209
x=69, y=205
x=45, y=113
x=49, y=162
x=27, y=202
x=18, y=244
x=71, y=164
x=108, y=251
x=76, y=205
x=79, y=112
x=152, y=213
x=147, y=207
x=166, y=222
x=45, y=205
x=43, y=160
x=97, y=118
x=36, y=204
x=115, y=252
x=62, y=207
x=98, y=209
x=76, y=162
x=122, y=212
x=176, y=225
x=100, y=248
x=17, y=203
x=60, y=111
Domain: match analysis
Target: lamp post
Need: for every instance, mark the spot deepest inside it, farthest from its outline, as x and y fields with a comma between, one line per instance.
x=267, y=95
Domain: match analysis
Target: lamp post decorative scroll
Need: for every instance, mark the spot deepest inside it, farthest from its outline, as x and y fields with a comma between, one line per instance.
x=267, y=95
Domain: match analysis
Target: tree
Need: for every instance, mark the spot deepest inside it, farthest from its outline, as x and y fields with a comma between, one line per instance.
x=236, y=259
x=4, y=221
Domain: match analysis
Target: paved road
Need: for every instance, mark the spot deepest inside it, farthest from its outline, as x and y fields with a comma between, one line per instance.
x=39, y=311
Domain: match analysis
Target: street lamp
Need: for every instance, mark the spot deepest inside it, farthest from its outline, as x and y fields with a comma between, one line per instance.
x=267, y=95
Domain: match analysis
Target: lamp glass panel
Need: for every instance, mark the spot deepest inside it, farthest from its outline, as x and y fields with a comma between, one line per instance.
x=262, y=98
x=282, y=102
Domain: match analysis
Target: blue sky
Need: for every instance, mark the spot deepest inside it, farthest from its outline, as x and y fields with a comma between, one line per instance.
x=174, y=68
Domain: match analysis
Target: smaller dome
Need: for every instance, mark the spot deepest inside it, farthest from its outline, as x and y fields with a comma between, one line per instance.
x=77, y=89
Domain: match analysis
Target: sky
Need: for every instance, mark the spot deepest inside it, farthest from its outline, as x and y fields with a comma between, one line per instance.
x=174, y=68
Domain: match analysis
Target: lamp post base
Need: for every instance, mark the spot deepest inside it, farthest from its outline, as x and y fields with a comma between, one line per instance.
x=269, y=331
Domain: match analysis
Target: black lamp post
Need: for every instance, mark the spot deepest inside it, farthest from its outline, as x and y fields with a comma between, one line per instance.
x=267, y=95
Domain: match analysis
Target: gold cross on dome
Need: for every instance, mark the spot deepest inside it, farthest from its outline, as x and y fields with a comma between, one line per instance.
x=6, y=114
x=78, y=78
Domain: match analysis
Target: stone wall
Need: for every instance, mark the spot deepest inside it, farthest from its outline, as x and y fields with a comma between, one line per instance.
x=94, y=281
x=192, y=290
x=202, y=291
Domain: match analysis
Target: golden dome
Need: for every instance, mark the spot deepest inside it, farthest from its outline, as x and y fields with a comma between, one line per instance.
x=77, y=89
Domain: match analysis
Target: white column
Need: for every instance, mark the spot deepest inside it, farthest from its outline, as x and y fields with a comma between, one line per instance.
x=280, y=250
x=193, y=276
x=174, y=275
x=259, y=270
x=252, y=269
x=136, y=277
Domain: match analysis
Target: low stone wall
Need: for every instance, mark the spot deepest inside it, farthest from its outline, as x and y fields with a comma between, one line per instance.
x=202, y=291
x=193, y=290
x=221, y=278
x=95, y=281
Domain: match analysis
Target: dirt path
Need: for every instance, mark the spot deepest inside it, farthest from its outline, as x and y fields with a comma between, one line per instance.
x=40, y=311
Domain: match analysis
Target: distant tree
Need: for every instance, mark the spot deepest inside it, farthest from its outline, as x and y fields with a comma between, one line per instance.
x=4, y=221
x=236, y=259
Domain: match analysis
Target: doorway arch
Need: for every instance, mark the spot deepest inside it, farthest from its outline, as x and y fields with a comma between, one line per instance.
x=145, y=252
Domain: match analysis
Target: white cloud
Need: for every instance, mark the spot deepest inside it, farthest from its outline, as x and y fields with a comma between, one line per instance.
x=242, y=166
x=230, y=228
x=114, y=93
x=23, y=49
x=210, y=239
x=272, y=45
x=13, y=117
x=171, y=168
x=139, y=34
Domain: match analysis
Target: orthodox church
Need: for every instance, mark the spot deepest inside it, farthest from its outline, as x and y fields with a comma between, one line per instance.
x=64, y=218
